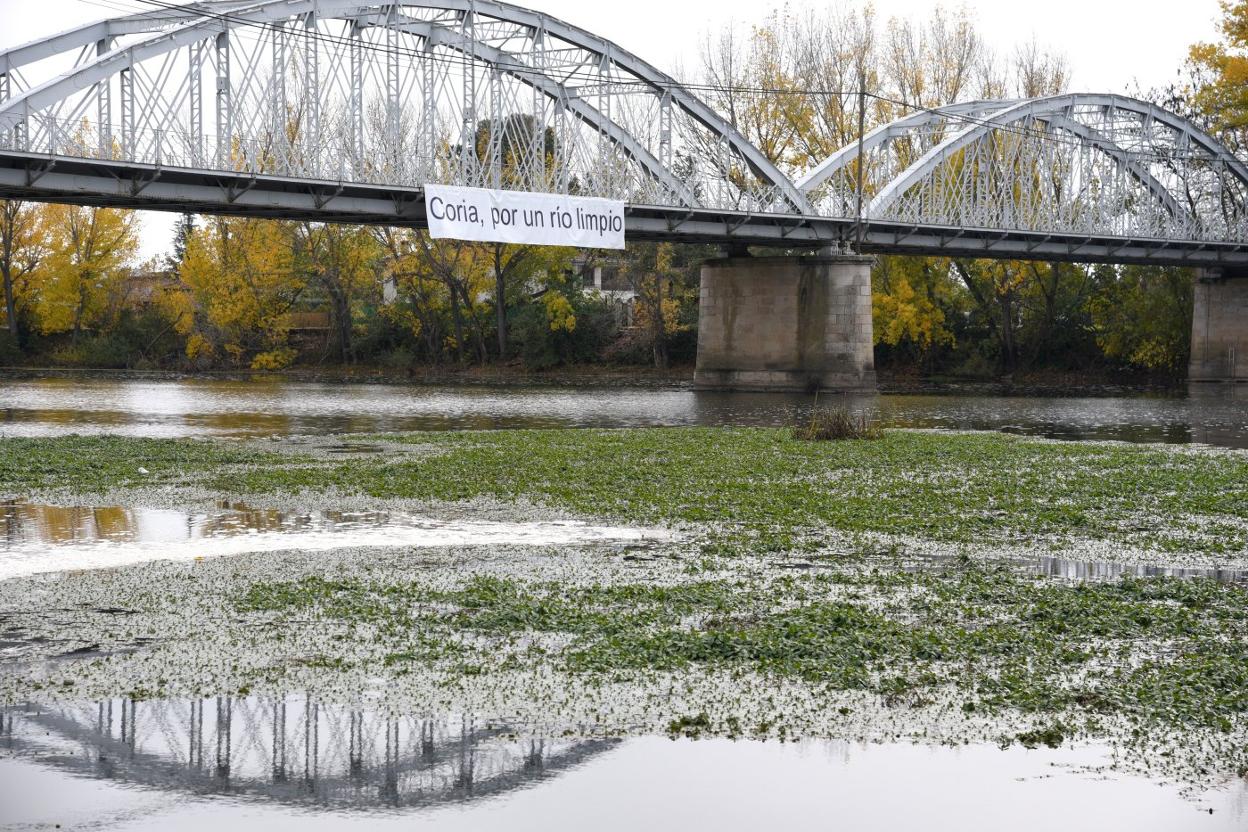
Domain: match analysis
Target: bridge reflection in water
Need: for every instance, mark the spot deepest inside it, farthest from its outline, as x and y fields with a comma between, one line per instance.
x=292, y=750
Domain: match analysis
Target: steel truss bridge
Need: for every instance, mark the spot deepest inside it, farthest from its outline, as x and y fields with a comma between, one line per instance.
x=341, y=110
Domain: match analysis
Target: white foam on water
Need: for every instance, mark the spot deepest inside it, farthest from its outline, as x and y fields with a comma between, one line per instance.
x=136, y=536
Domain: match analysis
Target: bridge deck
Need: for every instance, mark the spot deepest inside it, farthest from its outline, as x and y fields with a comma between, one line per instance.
x=157, y=188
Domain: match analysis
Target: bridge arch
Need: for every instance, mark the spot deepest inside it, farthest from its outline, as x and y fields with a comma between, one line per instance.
x=404, y=92
x=340, y=110
x=1077, y=164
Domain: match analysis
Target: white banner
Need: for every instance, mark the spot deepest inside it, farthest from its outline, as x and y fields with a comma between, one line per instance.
x=526, y=218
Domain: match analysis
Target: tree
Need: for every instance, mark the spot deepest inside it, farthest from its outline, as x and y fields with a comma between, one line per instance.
x=1218, y=87
x=462, y=268
x=908, y=302
x=996, y=287
x=341, y=260
x=1141, y=316
x=89, y=251
x=662, y=278
x=24, y=245
x=525, y=156
x=420, y=299
x=522, y=152
x=932, y=63
x=516, y=269
x=244, y=282
x=182, y=233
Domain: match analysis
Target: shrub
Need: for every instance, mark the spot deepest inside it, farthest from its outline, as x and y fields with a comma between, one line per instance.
x=278, y=359
x=541, y=347
x=834, y=424
x=10, y=352
x=400, y=358
x=100, y=352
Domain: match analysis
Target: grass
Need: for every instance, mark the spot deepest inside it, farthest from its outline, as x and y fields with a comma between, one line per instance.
x=1164, y=654
x=1004, y=642
x=836, y=424
x=94, y=464
x=981, y=488
x=777, y=490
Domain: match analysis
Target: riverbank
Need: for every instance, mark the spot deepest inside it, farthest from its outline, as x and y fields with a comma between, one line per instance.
x=588, y=376
x=1042, y=384
x=860, y=590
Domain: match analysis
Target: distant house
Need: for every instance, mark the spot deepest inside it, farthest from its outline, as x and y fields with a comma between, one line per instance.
x=610, y=281
x=306, y=322
x=141, y=288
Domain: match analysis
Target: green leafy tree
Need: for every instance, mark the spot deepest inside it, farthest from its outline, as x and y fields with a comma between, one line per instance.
x=1141, y=316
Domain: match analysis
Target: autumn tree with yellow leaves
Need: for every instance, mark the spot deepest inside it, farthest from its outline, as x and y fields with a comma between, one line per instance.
x=343, y=262
x=89, y=252
x=241, y=285
x=1218, y=86
x=24, y=244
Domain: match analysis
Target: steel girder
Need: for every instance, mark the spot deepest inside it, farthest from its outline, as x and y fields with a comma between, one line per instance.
x=622, y=75
x=658, y=80
x=377, y=99
x=509, y=64
x=235, y=193
x=1040, y=108
x=1198, y=185
x=904, y=126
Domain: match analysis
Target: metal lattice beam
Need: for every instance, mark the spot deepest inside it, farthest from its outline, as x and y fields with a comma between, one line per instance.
x=1142, y=140
x=380, y=98
x=623, y=75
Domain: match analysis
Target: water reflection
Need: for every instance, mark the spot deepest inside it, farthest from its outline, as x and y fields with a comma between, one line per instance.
x=290, y=763
x=1078, y=570
x=38, y=538
x=1214, y=415
x=290, y=750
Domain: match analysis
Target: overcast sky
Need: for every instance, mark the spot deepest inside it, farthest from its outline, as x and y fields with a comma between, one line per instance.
x=1111, y=44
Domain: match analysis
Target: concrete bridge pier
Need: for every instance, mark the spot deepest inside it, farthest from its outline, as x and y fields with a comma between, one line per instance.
x=1220, y=326
x=786, y=324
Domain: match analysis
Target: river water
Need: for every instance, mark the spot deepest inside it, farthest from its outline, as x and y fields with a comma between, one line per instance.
x=250, y=763
x=262, y=764
x=1215, y=415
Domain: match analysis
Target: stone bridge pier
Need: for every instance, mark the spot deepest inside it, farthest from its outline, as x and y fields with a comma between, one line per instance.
x=1220, y=326
x=786, y=324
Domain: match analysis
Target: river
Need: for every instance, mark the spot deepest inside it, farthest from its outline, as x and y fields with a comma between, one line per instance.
x=255, y=763
x=1215, y=415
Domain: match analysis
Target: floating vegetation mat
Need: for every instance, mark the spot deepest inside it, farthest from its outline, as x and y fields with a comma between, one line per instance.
x=875, y=591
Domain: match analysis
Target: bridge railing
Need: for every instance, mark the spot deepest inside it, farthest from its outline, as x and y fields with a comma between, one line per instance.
x=602, y=171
